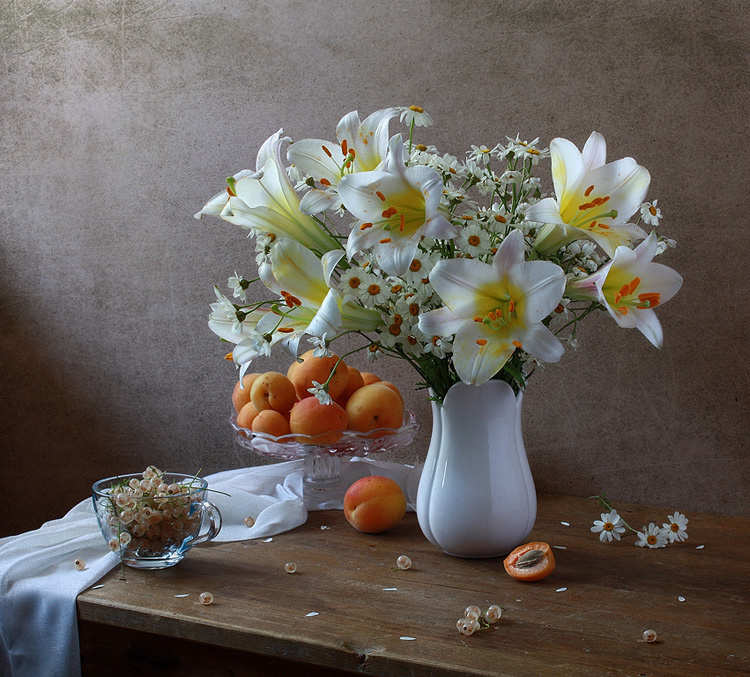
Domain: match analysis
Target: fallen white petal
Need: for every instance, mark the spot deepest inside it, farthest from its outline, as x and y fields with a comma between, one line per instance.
x=312, y=613
x=324, y=527
x=681, y=598
x=561, y=590
x=560, y=547
x=96, y=587
x=390, y=588
x=268, y=540
x=408, y=639
x=699, y=547
x=187, y=594
x=565, y=524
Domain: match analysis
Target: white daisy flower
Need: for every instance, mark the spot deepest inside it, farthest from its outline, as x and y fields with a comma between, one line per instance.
x=416, y=115
x=676, y=528
x=609, y=527
x=373, y=291
x=351, y=282
x=474, y=240
x=652, y=537
x=481, y=154
x=650, y=213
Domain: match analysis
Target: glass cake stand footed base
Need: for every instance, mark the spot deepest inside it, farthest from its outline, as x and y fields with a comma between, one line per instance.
x=322, y=482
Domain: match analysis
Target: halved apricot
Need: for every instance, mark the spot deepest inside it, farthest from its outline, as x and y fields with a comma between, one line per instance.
x=530, y=562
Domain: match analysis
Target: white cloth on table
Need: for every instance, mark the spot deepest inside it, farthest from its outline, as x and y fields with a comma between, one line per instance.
x=39, y=581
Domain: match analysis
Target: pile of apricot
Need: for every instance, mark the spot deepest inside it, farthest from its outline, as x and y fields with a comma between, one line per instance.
x=282, y=404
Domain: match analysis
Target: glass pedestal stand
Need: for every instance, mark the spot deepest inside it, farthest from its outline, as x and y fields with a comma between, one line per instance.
x=322, y=464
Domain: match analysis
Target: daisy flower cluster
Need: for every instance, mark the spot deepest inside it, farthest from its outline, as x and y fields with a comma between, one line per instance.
x=611, y=527
x=461, y=265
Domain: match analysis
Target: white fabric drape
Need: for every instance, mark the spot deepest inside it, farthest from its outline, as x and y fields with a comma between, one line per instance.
x=39, y=581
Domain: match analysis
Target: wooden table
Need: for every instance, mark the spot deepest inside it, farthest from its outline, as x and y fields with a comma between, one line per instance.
x=587, y=618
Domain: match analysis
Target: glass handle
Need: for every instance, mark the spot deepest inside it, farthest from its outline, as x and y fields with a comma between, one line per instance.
x=214, y=521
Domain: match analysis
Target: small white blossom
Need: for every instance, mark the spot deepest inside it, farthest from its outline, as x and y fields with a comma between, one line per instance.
x=320, y=391
x=650, y=213
x=609, y=527
x=663, y=244
x=652, y=537
x=321, y=345
x=676, y=527
x=235, y=284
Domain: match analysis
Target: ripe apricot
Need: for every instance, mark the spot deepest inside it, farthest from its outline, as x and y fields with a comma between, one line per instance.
x=241, y=393
x=355, y=382
x=530, y=562
x=308, y=368
x=246, y=416
x=375, y=406
x=323, y=423
x=270, y=422
x=273, y=390
x=374, y=504
x=368, y=377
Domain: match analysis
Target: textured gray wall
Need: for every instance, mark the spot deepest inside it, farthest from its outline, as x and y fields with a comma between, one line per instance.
x=118, y=119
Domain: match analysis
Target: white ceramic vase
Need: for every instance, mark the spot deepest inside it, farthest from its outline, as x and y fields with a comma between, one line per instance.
x=476, y=495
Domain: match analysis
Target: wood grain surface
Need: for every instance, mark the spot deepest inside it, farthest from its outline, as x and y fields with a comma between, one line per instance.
x=587, y=618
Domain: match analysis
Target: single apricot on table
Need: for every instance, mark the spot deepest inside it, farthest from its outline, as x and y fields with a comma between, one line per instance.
x=374, y=504
x=241, y=393
x=273, y=390
x=317, y=423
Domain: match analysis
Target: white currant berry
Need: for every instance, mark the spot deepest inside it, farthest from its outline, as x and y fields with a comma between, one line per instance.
x=249, y=522
x=80, y=564
x=493, y=613
x=113, y=544
x=206, y=598
x=472, y=612
x=403, y=562
x=649, y=636
x=290, y=567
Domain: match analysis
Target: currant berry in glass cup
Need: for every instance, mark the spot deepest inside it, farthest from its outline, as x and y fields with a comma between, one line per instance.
x=152, y=519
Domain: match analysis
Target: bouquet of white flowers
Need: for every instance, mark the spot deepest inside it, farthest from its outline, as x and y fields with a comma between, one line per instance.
x=461, y=267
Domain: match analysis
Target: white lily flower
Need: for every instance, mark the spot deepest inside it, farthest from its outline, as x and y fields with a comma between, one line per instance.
x=315, y=308
x=630, y=286
x=361, y=147
x=593, y=199
x=495, y=308
x=267, y=202
x=396, y=205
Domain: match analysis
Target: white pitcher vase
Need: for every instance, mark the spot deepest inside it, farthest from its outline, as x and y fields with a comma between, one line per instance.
x=476, y=496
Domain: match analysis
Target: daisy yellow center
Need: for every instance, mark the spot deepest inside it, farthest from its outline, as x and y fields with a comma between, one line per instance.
x=354, y=282
x=652, y=209
x=674, y=527
x=373, y=289
x=417, y=109
x=608, y=526
x=651, y=539
x=473, y=240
